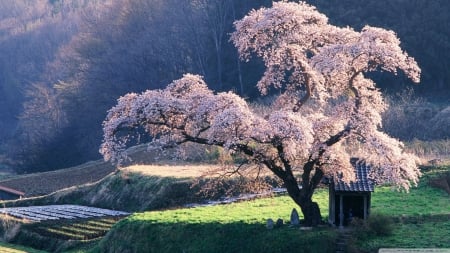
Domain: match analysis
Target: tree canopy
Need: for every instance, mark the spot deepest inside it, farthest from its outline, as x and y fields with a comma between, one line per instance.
x=327, y=110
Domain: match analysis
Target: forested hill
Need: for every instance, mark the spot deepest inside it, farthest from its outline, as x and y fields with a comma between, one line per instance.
x=63, y=63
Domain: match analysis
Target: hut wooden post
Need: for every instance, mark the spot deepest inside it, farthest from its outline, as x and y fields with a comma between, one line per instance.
x=341, y=211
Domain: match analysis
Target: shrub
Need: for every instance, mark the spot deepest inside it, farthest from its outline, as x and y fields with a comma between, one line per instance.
x=380, y=225
x=376, y=225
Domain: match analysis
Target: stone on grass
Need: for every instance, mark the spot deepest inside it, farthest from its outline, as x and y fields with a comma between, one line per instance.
x=279, y=223
x=269, y=224
x=295, y=220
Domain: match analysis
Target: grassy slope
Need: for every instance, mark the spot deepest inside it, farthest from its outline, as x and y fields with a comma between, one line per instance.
x=238, y=227
x=421, y=220
x=135, y=188
x=122, y=191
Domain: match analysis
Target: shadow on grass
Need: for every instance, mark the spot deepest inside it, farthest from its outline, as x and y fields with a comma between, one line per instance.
x=138, y=236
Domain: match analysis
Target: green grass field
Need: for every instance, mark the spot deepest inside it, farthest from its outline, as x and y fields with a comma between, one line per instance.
x=422, y=234
x=424, y=200
x=238, y=227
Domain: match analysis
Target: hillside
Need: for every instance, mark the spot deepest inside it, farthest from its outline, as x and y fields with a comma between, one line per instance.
x=44, y=183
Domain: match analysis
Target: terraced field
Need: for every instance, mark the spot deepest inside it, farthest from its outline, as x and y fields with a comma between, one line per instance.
x=54, y=227
x=75, y=230
x=58, y=212
x=62, y=235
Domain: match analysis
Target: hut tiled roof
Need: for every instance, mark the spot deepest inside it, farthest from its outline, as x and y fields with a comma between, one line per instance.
x=362, y=183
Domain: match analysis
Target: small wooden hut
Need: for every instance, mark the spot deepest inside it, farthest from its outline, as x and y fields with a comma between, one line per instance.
x=350, y=200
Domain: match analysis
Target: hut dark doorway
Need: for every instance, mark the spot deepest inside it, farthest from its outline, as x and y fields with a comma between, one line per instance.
x=354, y=206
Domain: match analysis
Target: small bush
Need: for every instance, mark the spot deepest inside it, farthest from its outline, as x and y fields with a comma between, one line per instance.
x=376, y=225
x=360, y=230
x=381, y=225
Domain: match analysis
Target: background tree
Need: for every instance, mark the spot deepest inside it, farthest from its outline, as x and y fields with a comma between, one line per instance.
x=326, y=105
x=32, y=34
x=43, y=119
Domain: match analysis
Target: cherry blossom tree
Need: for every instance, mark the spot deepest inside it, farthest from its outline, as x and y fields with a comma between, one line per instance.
x=327, y=110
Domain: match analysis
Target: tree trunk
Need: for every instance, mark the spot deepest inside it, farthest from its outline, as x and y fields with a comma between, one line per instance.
x=303, y=198
x=310, y=209
x=311, y=212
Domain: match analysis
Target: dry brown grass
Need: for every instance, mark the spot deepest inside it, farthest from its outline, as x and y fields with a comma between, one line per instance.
x=433, y=152
x=177, y=171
